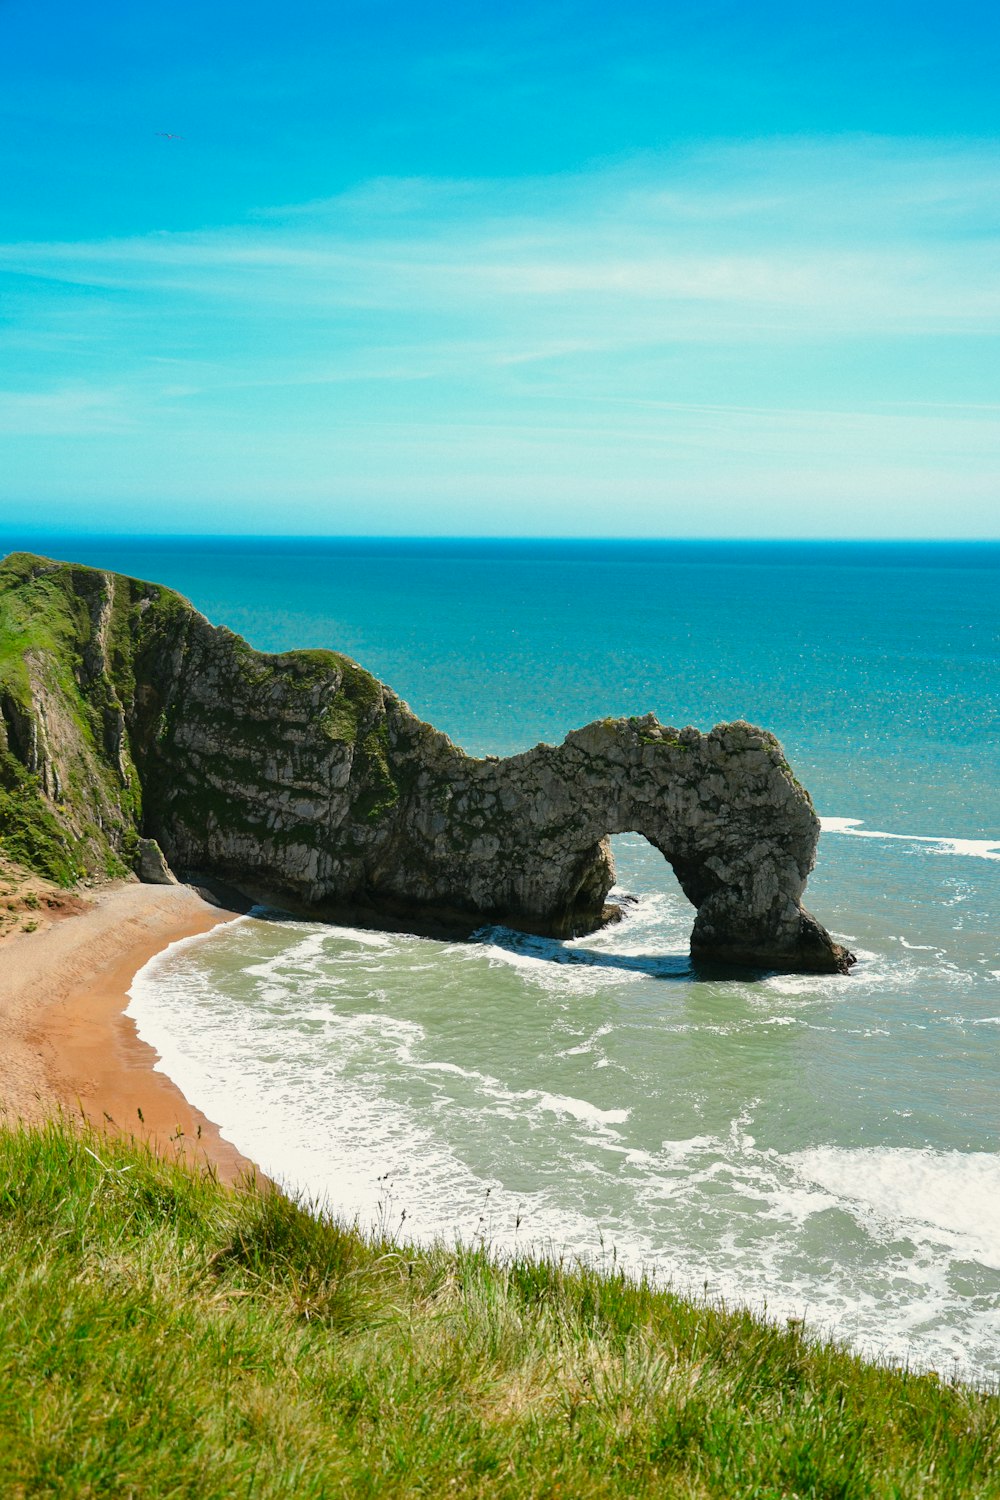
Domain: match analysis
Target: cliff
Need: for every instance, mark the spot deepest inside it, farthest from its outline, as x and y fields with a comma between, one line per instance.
x=302, y=780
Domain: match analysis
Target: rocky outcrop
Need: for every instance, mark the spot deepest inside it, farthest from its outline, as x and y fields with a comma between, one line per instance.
x=302, y=780
x=151, y=866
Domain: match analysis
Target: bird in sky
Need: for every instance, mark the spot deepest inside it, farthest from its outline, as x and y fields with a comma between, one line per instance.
x=168, y=135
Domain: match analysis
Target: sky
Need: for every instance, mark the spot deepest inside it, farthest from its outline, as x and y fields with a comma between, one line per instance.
x=554, y=269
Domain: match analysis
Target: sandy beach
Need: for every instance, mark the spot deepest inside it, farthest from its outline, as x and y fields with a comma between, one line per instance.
x=65, y=1041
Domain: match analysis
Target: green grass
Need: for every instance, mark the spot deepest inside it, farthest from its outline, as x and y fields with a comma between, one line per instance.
x=164, y=1336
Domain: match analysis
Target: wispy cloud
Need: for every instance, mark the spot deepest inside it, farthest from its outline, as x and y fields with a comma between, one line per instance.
x=768, y=313
x=793, y=237
x=68, y=411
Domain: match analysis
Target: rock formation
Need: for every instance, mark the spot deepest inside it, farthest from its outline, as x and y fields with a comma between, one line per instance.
x=303, y=781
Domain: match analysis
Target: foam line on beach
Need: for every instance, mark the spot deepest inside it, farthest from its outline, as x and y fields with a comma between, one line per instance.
x=945, y=844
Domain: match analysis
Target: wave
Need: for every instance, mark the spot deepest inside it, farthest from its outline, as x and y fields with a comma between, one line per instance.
x=944, y=843
x=529, y=1093
x=949, y=1197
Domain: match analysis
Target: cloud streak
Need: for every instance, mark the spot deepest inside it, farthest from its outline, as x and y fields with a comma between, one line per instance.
x=789, y=236
x=804, y=313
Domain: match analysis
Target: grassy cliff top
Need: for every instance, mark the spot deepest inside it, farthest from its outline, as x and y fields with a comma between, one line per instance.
x=166, y=1336
x=46, y=607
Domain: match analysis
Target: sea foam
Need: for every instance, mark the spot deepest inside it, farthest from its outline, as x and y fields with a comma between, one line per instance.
x=942, y=843
x=443, y=1091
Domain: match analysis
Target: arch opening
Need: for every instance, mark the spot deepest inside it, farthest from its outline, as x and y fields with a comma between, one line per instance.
x=646, y=885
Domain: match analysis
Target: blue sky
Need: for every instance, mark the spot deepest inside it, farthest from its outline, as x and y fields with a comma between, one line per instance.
x=549, y=269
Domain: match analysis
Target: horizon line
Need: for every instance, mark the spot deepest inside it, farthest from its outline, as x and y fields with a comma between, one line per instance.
x=465, y=537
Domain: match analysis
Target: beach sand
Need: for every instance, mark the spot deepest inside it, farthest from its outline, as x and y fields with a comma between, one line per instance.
x=65, y=1042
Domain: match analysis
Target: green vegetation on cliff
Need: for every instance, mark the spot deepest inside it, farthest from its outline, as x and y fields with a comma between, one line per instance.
x=58, y=633
x=164, y=1336
x=100, y=673
x=29, y=833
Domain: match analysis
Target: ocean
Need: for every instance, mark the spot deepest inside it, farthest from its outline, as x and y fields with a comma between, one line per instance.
x=824, y=1148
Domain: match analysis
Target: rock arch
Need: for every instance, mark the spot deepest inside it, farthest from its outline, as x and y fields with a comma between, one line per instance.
x=302, y=780
x=526, y=839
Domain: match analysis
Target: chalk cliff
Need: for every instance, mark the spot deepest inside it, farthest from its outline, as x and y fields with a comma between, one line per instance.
x=302, y=780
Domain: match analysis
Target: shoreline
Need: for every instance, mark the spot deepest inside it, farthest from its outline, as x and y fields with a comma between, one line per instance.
x=66, y=1044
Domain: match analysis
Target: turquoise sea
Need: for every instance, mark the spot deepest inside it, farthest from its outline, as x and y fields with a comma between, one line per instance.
x=827, y=1147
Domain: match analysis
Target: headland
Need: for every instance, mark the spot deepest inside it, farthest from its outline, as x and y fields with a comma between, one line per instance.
x=132, y=729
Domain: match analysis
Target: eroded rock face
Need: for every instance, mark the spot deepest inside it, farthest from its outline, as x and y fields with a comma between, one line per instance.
x=150, y=865
x=302, y=780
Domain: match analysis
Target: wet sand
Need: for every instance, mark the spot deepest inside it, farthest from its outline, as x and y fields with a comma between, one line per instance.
x=65, y=1042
